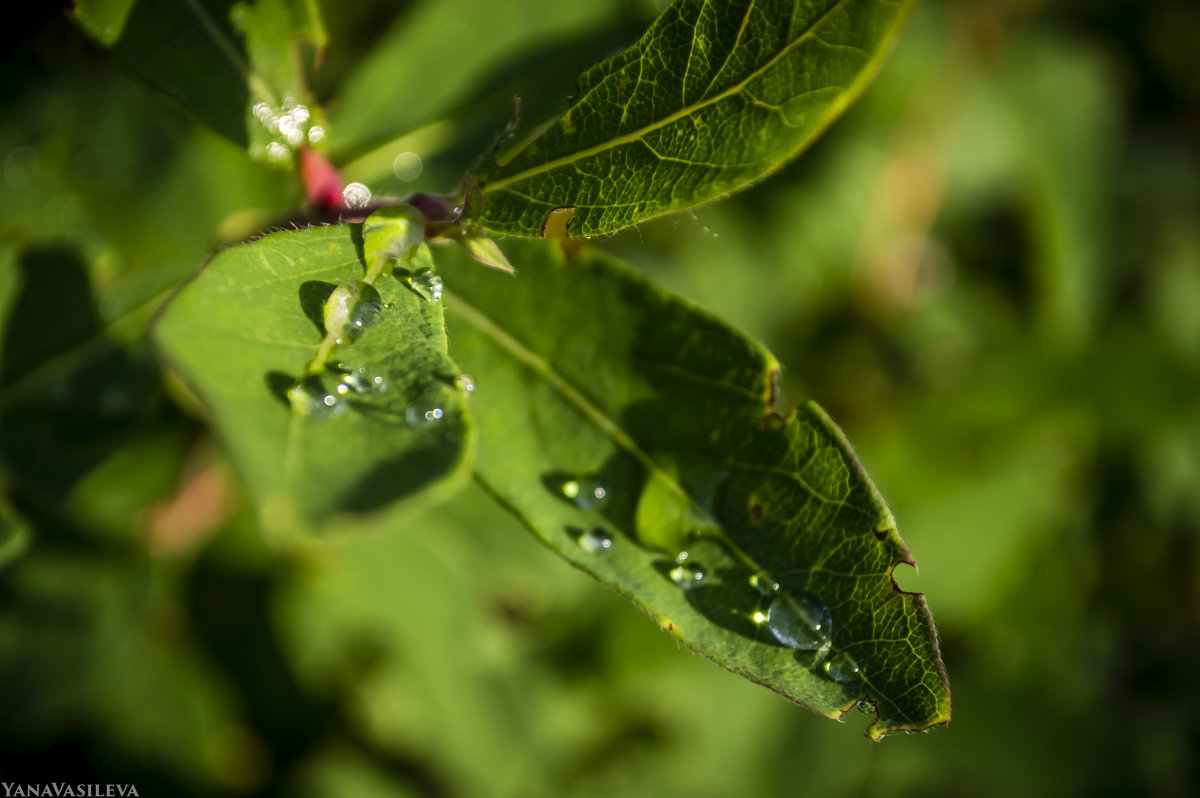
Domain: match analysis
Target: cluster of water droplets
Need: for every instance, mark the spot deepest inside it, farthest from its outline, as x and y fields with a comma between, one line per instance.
x=799, y=620
x=324, y=394
x=290, y=126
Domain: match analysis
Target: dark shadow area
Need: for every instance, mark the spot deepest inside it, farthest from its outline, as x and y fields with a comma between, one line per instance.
x=216, y=93
x=52, y=434
x=313, y=296
x=278, y=384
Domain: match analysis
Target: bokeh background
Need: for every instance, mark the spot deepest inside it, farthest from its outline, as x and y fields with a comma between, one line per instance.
x=988, y=272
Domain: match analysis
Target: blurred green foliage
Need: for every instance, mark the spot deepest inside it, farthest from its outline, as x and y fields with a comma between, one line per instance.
x=988, y=272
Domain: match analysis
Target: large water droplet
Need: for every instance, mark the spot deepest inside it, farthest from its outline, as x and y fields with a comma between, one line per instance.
x=596, y=541
x=688, y=576
x=427, y=283
x=356, y=195
x=586, y=494
x=842, y=668
x=350, y=310
x=310, y=397
x=800, y=621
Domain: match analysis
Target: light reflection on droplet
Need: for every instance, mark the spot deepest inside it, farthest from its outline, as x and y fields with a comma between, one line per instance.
x=356, y=195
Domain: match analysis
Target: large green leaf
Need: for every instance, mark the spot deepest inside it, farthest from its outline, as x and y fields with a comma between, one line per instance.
x=714, y=96
x=319, y=445
x=218, y=58
x=626, y=428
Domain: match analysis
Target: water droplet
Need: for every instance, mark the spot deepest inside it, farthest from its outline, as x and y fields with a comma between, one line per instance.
x=350, y=310
x=310, y=397
x=356, y=195
x=765, y=585
x=407, y=166
x=426, y=282
x=363, y=380
x=866, y=706
x=466, y=382
x=586, y=494
x=800, y=621
x=842, y=668
x=688, y=576
x=278, y=152
x=428, y=408
x=263, y=112
x=596, y=541
x=759, y=617
x=315, y=134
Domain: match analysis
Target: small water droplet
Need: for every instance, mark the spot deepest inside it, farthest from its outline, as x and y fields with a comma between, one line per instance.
x=424, y=410
x=466, y=382
x=866, y=706
x=800, y=621
x=362, y=380
x=356, y=195
x=759, y=617
x=426, y=282
x=688, y=576
x=350, y=310
x=315, y=134
x=596, y=541
x=764, y=584
x=842, y=668
x=278, y=152
x=586, y=494
x=310, y=397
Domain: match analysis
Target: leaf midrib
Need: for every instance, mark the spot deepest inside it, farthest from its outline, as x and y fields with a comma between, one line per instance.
x=637, y=135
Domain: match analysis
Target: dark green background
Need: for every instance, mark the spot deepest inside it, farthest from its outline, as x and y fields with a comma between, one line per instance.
x=988, y=272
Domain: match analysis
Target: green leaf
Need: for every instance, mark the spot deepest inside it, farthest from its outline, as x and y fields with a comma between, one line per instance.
x=215, y=57
x=14, y=533
x=712, y=97
x=625, y=427
x=248, y=336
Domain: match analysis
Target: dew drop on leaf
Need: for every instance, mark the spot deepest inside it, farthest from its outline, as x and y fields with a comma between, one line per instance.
x=466, y=382
x=764, y=584
x=800, y=621
x=309, y=397
x=350, y=310
x=688, y=576
x=361, y=379
x=586, y=494
x=596, y=541
x=420, y=413
x=426, y=282
x=356, y=195
x=842, y=668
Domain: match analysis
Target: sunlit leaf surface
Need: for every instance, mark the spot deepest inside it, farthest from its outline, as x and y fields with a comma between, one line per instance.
x=633, y=434
x=382, y=421
x=714, y=96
